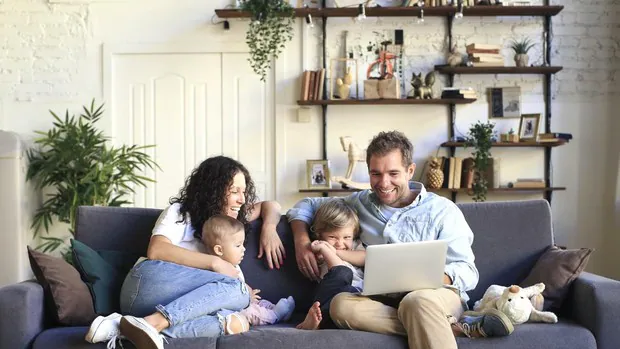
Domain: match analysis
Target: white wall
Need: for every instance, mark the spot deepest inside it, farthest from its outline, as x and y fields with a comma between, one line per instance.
x=52, y=59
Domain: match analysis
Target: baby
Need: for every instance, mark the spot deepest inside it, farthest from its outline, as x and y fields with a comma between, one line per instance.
x=341, y=255
x=224, y=236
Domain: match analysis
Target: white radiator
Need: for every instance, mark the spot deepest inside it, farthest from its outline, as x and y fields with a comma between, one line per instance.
x=15, y=210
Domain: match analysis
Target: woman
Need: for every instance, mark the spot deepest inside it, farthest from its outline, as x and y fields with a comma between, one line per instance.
x=180, y=290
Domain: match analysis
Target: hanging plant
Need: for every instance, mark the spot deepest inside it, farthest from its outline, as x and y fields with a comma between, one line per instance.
x=481, y=138
x=270, y=29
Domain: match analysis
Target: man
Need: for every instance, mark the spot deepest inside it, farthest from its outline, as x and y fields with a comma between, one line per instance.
x=396, y=211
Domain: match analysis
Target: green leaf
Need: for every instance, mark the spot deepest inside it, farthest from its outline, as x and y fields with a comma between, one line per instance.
x=73, y=159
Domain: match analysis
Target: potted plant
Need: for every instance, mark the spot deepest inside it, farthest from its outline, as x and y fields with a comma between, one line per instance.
x=74, y=164
x=271, y=27
x=521, y=49
x=481, y=138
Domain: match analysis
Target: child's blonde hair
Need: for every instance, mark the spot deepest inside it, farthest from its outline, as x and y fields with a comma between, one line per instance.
x=218, y=226
x=335, y=214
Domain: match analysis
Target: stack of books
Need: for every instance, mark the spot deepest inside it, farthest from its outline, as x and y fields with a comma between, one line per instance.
x=458, y=93
x=312, y=85
x=485, y=55
x=434, y=3
x=529, y=183
x=554, y=137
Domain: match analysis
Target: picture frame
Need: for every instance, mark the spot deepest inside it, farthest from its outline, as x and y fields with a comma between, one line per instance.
x=505, y=102
x=318, y=174
x=529, y=127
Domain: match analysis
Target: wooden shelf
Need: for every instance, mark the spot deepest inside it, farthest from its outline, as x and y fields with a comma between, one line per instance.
x=444, y=69
x=438, y=11
x=510, y=144
x=460, y=190
x=385, y=101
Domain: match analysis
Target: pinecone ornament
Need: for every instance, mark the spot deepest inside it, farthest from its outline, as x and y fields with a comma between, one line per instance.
x=434, y=177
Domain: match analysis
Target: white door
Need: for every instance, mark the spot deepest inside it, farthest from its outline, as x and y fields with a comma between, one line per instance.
x=248, y=120
x=183, y=104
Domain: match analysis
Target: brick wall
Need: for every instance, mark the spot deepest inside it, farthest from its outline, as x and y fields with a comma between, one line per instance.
x=43, y=47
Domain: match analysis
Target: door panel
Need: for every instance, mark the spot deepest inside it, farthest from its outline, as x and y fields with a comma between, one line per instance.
x=248, y=119
x=192, y=106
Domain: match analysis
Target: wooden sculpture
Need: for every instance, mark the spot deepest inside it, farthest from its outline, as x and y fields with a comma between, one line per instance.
x=355, y=155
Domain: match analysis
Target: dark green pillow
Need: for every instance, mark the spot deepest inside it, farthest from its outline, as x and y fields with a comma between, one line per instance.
x=103, y=272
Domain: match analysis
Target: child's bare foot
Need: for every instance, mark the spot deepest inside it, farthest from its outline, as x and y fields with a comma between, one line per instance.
x=316, y=246
x=313, y=319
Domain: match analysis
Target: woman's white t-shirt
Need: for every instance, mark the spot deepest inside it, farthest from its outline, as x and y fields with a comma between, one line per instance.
x=180, y=234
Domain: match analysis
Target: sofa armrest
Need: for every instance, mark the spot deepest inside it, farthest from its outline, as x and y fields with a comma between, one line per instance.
x=595, y=304
x=22, y=314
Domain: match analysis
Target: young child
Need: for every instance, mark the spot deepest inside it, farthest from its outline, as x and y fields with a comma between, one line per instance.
x=224, y=236
x=335, y=229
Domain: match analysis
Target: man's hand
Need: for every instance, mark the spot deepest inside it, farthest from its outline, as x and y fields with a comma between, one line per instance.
x=254, y=297
x=271, y=246
x=223, y=267
x=446, y=279
x=306, y=261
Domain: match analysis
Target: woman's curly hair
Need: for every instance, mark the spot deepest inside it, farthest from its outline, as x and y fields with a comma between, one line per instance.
x=207, y=188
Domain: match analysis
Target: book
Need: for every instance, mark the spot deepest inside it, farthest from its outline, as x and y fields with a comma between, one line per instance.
x=560, y=135
x=487, y=64
x=486, y=47
x=305, y=80
x=489, y=58
x=467, y=172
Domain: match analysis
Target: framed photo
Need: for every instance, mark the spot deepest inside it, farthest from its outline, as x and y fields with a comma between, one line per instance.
x=318, y=176
x=505, y=102
x=528, y=127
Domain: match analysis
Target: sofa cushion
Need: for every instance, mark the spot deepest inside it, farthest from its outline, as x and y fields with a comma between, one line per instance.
x=562, y=335
x=67, y=299
x=286, y=337
x=104, y=273
x=277, y=283
x=73, y=338
x=557, y=268
x=506, y=245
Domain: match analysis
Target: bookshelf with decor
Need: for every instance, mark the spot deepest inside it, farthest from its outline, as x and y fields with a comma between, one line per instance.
x=317, y=94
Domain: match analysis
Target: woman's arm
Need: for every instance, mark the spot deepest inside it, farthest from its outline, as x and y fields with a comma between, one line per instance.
x=161, y=248
x=270, y=243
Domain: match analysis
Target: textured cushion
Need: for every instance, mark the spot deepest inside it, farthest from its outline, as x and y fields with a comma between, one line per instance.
x=276, y=283
x=73, y=338
x=67, y=298
x=283, y=337
x=506, y=245
x=563, y=335
x=103, y=272
x=557, y=269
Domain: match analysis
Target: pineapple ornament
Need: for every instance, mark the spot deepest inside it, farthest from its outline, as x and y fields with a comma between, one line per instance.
x=434, y=177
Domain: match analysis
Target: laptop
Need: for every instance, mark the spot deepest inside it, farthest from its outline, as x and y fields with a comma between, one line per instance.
x=404, y=267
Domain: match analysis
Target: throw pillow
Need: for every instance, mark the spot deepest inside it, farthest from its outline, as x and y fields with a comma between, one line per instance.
x=66, y=297
x=557, y=268
x=104, y=273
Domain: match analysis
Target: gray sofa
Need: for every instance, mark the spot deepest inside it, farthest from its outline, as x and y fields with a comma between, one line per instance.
x=509, y=237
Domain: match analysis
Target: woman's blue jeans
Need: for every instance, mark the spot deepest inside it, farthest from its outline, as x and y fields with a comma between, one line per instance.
x=194, y=301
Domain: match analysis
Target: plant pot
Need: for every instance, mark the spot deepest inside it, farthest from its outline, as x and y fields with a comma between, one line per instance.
x=509, y=138
x=522, y=60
